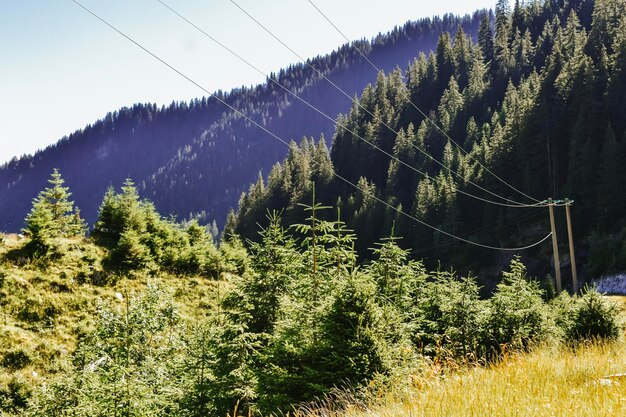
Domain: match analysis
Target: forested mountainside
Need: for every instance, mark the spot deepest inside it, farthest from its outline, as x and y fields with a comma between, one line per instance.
x=538, y=101
x=197, y=157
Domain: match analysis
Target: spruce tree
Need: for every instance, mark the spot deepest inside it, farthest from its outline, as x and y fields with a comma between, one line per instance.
x=40, y=226
x=485, y=39
x=53, y=215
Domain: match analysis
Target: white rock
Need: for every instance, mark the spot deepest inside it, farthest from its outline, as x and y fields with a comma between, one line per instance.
x=612, y=284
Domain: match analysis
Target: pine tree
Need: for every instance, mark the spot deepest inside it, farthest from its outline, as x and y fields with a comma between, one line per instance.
x=321, y=165
x=53, y=215
x=485, y=39
x=445, y=61
x=119, y=213
x=58, y=197
x=40, y=226
x=230, y=229
x=610, y=190
x=462, y=57
x=77, y=226
x=501, y=43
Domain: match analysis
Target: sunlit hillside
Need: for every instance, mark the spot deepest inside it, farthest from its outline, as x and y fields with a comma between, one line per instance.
x=585, y=381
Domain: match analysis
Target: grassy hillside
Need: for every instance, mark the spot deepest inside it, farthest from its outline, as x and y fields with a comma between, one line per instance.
x=46, y=307
x=546, y=382
x=51, y=307
x=587, y=380
x=147, y=317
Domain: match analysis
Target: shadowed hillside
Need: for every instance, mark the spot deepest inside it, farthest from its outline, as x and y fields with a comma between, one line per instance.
x=196, y=156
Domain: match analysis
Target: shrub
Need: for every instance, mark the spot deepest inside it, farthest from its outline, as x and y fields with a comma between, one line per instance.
x=36, y=311
x=450, y=317
x=352, y=345
x=234, y=256
x=138, y=236
x=123, y=366
x=14, y=397
x=130, y=252
x=16, y=359
x=587, y=317
x=517, y=314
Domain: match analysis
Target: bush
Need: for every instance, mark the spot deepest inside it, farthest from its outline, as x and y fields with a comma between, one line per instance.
x=123, y=366
x=36, y=311
x=16, y=359
x=517, y=314
x=450, y=318
x=14, y=397
x=139, y=237
x=235, y=258
x=131, y=253
x=587, y=317
x=352, y=344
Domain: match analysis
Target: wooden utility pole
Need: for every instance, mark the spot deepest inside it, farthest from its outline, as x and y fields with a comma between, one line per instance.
x=570, y=238
x=555, y=248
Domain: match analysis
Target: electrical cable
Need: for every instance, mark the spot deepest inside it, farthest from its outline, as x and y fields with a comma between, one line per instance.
x=417, y=108
x=180, y=73
x=238, y=56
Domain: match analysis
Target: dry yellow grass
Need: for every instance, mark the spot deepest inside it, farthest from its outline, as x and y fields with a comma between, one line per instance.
x=620, y=300
x=550, y=381
x=547, y=382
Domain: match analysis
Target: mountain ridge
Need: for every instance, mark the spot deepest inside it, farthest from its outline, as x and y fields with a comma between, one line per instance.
x=190, y=150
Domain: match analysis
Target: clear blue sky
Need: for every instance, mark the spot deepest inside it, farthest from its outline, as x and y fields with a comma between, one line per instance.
x=61, y=68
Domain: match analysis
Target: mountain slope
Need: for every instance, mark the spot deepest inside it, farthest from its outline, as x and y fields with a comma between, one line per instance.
x=539, y=103
x=197, y=156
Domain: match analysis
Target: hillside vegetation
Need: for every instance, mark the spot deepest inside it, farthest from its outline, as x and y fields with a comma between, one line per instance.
x=586, y=381
x=196, y=157
x=316, y=291
x=48, y=307
x=148, y=317
x=538, y=102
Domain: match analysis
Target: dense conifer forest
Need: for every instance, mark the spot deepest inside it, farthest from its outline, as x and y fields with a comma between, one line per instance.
x=537, y=100
x=195, y=158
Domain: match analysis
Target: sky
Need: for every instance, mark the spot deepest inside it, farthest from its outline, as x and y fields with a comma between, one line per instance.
x=61, y=68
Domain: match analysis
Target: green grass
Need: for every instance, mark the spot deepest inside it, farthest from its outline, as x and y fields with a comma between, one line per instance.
x=46, y=307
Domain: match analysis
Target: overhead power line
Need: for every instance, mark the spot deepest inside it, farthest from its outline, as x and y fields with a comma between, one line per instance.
x=490, y=228
x=510, y=203
x=252, y=121
x=432, y=122
x=274, y=81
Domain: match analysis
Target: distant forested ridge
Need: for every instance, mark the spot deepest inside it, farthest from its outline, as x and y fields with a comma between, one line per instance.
x=197, y=157
x=538, y=99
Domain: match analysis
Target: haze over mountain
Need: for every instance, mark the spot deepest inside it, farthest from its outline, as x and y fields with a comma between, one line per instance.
x=197, y=156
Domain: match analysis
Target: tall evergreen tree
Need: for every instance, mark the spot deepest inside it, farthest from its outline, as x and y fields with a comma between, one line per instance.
x=485, y=39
